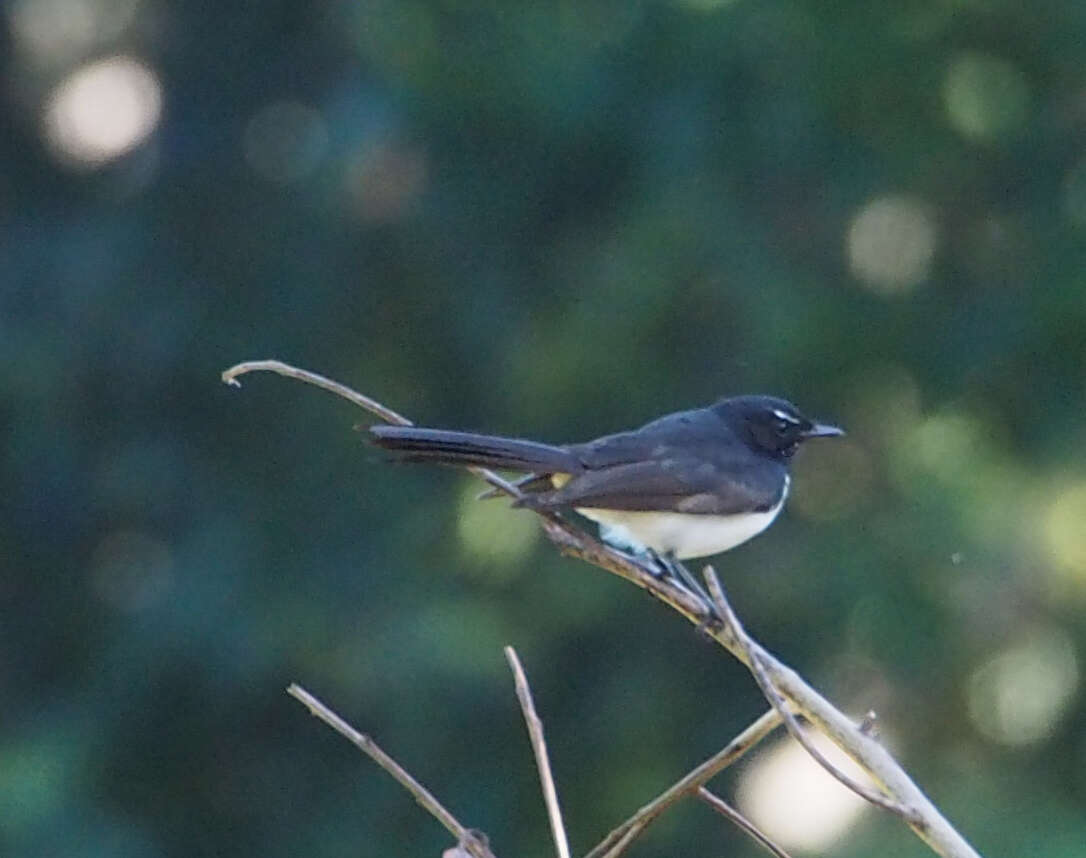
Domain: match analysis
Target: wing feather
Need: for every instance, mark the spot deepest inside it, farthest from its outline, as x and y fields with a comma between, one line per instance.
x=670, y=484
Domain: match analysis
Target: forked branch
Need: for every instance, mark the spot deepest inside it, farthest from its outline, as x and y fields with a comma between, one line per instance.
x=616, y=842
x=734, y=629
x=902, y=795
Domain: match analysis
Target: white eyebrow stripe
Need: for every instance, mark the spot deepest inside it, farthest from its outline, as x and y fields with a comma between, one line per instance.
x=786, y=417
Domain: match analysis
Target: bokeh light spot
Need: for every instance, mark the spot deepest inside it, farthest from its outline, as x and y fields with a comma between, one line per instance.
x=945, y=445
x=891, y=242
x=1019, y=695
x=384, y=180
x=55, y=31
x=985, y=97
x=492, y=532
x=796, y=801
x=1065, y=531
x=51, y=29
x=102, y=111
x=285, y=141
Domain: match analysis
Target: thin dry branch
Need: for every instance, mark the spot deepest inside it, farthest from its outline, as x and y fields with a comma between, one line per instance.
x=924, y=818
x=230, y=377
x=728, y=812
x=468, y=838
x=754, y=661
x=616, y=842
x=539, y=748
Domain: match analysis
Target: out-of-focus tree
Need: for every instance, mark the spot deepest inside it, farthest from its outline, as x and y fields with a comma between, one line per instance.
x=557, y=221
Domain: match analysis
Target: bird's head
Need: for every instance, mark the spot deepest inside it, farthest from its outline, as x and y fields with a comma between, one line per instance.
x=770, y=425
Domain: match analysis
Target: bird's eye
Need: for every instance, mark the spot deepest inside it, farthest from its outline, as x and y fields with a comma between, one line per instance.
x=781, y=426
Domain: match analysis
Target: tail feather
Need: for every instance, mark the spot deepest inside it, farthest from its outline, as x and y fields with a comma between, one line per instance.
x=415, y=444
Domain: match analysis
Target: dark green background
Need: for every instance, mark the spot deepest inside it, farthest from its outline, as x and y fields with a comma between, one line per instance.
x=546, y=219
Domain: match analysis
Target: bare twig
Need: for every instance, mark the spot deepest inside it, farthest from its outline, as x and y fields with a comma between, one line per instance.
x=539, y=747
x=230, y=377
x=925, y=819
x=615, y=842
x=467, y=838
x=757, y=668
x=726, y=810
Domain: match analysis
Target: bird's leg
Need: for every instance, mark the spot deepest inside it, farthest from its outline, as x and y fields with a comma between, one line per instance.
x=692, y=583
x=671, y=567
x=660, y=570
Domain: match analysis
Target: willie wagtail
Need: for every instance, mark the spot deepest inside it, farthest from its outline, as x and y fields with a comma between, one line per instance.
x=686, y=485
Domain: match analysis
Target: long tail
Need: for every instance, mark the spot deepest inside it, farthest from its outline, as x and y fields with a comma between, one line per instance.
x=466, y=448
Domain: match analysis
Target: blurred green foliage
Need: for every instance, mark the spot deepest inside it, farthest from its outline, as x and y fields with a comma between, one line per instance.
x=554, y=220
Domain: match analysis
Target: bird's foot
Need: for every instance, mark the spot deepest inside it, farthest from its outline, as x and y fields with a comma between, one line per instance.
x=660, y=569
x=671, y=569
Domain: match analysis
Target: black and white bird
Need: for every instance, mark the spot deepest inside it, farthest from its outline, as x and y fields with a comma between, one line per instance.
x=690, y=484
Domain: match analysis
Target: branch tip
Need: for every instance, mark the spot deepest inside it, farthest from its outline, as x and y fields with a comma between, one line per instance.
x=745, y=825
x=539, y=748
x=468, y=837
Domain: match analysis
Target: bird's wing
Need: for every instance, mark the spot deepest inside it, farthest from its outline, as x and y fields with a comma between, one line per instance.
x=698, y=428
x=669, y=484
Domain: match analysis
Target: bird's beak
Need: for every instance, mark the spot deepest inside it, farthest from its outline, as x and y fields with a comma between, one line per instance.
x=823, y=430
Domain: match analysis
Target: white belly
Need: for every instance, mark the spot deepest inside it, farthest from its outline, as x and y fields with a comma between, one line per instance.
x=681, y=534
